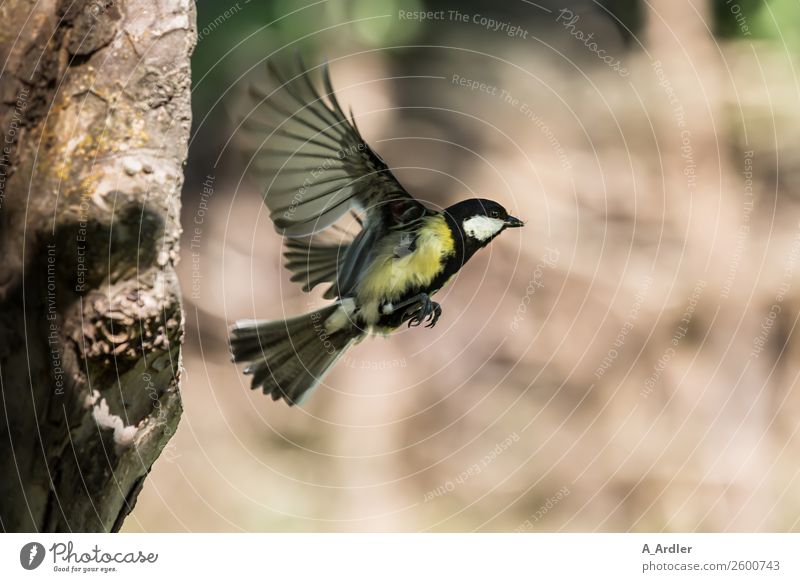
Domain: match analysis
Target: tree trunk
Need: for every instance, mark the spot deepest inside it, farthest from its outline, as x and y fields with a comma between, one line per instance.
x=95, y=117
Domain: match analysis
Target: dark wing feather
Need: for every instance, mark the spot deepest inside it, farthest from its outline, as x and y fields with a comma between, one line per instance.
x=318, y=167
x=313, y=158
x=312, y=262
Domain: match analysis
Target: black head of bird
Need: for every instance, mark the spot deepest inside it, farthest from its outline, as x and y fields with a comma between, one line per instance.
x=479, y=220
x=318, y=168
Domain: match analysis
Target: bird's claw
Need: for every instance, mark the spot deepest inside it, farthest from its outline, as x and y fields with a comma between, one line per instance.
x=428, y=311
x=435, y=315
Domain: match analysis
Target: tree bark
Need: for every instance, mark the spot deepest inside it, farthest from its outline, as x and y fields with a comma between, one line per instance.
x=95, y=118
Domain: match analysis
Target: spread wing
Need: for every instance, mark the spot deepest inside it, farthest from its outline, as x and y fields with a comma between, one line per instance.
x=317, y=167
x=313, y=158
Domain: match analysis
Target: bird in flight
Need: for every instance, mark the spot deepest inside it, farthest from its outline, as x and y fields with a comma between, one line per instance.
x=320, y=169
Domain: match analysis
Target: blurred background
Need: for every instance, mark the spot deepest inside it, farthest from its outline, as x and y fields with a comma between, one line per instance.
x=626, y=362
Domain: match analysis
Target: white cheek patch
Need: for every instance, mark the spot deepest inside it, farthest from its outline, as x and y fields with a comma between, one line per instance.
x=482, y=227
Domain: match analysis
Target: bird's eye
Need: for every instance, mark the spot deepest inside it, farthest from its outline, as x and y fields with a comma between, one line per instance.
x=494, y=214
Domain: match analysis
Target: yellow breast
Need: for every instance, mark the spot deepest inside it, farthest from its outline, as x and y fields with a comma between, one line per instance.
x=395, y=272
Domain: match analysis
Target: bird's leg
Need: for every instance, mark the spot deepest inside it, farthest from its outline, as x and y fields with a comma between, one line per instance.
x=390, y=308
x=418, y=307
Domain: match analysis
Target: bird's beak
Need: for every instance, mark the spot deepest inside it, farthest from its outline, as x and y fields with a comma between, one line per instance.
x=512, y=222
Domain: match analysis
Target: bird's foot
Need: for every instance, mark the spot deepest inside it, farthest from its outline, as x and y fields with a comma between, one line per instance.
x=434, y=317
x=425, y=310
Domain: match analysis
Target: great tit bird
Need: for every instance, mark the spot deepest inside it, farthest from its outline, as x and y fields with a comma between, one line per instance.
x=320, y=169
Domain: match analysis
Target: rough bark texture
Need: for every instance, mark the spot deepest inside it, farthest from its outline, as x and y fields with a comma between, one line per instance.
x=95, y=117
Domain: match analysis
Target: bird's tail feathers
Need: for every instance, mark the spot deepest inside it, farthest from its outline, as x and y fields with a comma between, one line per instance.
x=290, y=357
